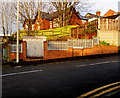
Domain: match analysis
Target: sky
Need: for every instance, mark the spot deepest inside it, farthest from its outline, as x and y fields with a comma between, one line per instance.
x=101, y=5
x=96, y=5
x=104, y=5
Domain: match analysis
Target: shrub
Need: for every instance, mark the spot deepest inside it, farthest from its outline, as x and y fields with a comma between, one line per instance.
x=103, y=43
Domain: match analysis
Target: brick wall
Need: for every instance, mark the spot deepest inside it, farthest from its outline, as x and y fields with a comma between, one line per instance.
x=13, y=56
x=56, y=54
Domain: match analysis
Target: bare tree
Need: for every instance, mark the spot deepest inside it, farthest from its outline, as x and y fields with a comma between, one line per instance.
x=28, y=11
x=65, y=9
x=6, y=17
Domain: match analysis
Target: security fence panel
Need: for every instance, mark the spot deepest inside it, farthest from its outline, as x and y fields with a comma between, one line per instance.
x=57, y=45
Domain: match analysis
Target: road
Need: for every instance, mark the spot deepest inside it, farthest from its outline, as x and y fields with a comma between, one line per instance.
x=65, y=79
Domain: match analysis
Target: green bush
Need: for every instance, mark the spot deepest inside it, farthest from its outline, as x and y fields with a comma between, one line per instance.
x=103, y=43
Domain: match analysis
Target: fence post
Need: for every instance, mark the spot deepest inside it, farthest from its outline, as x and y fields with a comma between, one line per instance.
x=92, y=43
x=107, y=24
x=77, y=32
x=99, y=23
x=1, y=53
x=85, y=43
x=8, y=52
x=24, y=50
x=97, y=41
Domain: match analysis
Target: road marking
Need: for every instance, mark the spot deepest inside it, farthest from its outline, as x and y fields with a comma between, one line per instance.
x=97, y=63
x=81, y=65
x=18, y=73
x=114, y=61
x=106, y=91
x=98, y=89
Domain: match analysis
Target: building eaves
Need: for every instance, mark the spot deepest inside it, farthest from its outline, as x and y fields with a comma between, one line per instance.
x=112, y=16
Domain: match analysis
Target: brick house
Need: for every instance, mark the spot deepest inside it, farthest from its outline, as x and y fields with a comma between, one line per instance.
x=44, y=20
x=109, y=13
x=92, y=17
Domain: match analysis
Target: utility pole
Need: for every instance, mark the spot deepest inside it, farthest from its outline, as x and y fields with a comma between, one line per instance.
x=17, y=45
x=39, y=12
x=119, y=16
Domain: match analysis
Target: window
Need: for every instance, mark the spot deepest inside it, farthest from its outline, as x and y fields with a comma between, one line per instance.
x=37, y=22
x=55, y=24
x=38, y=27
x=83, y=21
x=13, y=48
x=50, y=24
x=26, y=26
x=32, y=27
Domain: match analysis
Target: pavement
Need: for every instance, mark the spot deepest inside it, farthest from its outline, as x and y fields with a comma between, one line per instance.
x=26, y=63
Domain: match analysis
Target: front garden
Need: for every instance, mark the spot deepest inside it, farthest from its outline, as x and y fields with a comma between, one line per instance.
x=51, y=34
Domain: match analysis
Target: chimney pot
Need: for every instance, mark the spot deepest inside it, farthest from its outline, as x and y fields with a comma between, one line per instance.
x=98, y=13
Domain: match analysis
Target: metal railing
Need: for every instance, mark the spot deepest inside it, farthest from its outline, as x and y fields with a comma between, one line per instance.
x=63, y=45
x=57, y=45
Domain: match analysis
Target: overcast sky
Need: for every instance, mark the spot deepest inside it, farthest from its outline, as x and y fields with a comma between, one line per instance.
x=104, y=5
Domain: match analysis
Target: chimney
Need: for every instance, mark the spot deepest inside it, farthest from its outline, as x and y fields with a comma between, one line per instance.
x=38, y=14
x=98, y=13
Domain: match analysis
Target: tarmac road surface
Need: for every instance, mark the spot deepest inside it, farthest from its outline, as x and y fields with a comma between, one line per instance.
x=65, y=79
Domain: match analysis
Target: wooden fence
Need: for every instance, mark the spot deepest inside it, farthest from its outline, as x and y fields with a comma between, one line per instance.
x=84, y=30
x=90, y=29
x=63, y=45
x=108, y=24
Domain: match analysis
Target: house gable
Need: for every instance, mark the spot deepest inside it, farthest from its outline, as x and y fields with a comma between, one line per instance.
x=44, y=20
x=27, y=22
x=90, y=15
x=109, y=13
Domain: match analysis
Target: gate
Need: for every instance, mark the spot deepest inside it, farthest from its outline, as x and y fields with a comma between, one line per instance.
x=5, y=56
x=4, y=52
x=35, y=46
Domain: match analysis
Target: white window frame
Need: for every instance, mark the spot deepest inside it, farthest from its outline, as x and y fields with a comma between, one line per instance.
x=55, y=24
x=38, y=27
x=50, y=24
x=32, y=27
x=14, y=45
x=83, y=21
x=26, y=26
x=37, y=22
